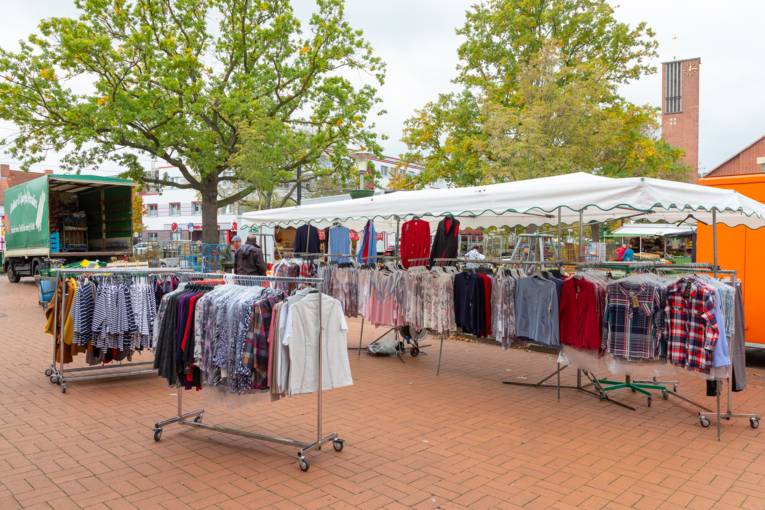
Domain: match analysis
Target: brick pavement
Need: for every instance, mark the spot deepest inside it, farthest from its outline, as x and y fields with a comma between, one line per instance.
x=413, y=440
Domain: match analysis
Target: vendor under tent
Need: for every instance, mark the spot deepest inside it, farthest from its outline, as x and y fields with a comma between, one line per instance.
x=564, y=199
x=660, y=230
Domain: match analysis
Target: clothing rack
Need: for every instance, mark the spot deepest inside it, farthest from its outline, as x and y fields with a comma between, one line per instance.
x=729, y=414
x=604, y=385
x=194, y=418
x=56, y=371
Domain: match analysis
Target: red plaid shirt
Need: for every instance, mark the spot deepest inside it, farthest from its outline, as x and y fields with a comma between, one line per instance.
x=692, y=330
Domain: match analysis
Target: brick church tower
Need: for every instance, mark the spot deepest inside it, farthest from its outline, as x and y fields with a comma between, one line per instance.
x=680, y=109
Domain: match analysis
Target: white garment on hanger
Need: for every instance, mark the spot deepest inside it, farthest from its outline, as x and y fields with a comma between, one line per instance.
x=301, y=336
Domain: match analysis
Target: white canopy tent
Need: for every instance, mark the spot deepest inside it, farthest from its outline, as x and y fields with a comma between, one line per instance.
x=534, y=202
x=563, y=199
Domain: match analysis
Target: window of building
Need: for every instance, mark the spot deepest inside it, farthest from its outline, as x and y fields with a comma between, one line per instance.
x=673, y=78
x=175, y=209
x=196, y=207
x=152, y=210
x=384, y=170
x=153, y=236
x=176, y=235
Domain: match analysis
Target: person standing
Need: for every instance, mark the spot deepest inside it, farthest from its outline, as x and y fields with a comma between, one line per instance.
x=619, y=252
x=227, y=256
x=249, y=259
x=629, y=254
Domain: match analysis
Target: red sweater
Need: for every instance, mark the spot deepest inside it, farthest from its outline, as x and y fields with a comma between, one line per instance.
x=415, y=242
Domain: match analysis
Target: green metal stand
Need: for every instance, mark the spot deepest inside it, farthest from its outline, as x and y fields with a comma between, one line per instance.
x=643, y=388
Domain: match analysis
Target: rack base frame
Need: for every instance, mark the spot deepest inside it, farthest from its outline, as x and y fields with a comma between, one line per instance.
x=96, y=372
x=194, y=419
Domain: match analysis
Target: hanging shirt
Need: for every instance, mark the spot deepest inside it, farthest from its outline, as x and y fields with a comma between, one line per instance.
x=536, y=310
x=415, y=242
x=307, y=239
x=368, y=245
x=446, y=240
x=339, y=243
x=581, y=314
x=692, y=330
x=632, y=320
x=722, y=348
x=302, y=337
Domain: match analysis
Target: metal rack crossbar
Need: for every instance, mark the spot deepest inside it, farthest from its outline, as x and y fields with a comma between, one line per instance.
x=56, y=372
x=194, y=418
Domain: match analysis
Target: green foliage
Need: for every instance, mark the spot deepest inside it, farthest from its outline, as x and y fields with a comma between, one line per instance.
x=137, y=213
x=540, y=98
x=164, y=82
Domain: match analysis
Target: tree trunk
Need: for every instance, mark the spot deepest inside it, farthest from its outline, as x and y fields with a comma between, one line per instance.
x=595, y=232
x=210, y=210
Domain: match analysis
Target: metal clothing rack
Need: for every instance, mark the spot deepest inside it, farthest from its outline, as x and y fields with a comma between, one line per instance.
x=640, y=386
x=56, y=372
x=194, y=418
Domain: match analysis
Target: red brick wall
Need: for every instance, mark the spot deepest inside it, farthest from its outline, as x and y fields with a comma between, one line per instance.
x=682, y=129
x=743, y=163
x=9, y=178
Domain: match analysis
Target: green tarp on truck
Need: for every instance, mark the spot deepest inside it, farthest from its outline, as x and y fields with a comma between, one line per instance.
x=66, y=217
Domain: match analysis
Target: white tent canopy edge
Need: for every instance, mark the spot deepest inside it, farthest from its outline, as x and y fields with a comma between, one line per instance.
x=533, y=202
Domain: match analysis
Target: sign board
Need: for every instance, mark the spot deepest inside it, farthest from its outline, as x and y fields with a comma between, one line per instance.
x=26, y=209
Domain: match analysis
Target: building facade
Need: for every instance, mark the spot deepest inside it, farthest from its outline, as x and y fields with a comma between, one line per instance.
x=749, y=161
x=680, y=109
x=175, y=214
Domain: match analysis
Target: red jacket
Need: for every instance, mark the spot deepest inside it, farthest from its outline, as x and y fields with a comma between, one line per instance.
x=415, y=242
x=581, y=313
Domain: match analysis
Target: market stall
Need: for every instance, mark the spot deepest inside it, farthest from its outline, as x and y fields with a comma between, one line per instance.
x=572, y=199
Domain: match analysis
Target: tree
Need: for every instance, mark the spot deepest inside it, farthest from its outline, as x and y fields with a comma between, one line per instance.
x=565, y=118
x=540, y=97
x=167, y=84
x=137, y=213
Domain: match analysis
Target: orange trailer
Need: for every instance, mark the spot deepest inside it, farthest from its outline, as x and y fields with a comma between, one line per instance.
x=740, y=249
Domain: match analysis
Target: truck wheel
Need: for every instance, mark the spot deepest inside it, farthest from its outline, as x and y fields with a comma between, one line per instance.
x=12, y=276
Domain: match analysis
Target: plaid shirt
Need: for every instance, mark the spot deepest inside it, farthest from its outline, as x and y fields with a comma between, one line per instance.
x=691, y=328
x=632, y=320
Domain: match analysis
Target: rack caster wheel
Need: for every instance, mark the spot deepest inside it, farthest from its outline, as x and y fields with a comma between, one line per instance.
x=674, y=388
x=414, y=352
x=48, y=372
x=704, y=421
x=754, y=422
x=63, y=388
x=649, y=399
x=198, y=418
x=54, y=379
x=664, y=395
x=338, y=444
x=303, y=464
x=157, y=434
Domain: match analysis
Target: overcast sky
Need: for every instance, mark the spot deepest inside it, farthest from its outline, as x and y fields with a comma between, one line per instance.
x=417, y=41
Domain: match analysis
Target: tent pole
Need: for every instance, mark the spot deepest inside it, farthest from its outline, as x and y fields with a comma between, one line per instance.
x=559, y=255
x=714, y=240
x=395, y=251
x=581, y=236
